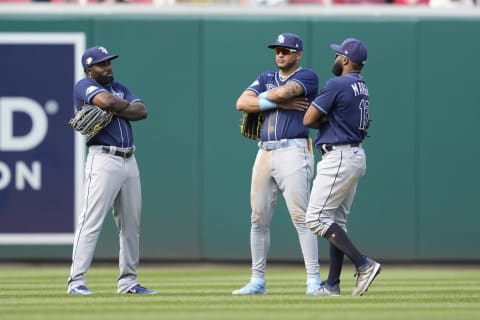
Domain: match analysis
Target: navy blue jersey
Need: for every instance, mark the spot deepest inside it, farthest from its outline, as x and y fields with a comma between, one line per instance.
x=118, y=133
x=344, y=100
x=285, y=124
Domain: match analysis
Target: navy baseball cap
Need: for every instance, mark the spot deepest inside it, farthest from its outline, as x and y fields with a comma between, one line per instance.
x=96, y=55
x=353, y=49
x=288, y=40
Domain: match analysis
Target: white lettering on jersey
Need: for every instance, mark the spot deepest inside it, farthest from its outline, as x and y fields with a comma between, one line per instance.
x=359, y=88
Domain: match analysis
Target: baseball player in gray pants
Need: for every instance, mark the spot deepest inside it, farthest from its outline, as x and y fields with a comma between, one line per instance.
x=340, y=112
x=112, y=178
x=284, y=162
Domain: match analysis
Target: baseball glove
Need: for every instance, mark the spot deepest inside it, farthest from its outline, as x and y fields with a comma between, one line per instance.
x=251, y=125
x=90, y=120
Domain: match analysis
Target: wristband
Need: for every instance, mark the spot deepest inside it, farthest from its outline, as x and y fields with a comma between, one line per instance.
x=263, y=95
x=264, y=103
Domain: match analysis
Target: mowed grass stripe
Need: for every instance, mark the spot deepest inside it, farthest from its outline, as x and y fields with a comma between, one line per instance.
x=197, y=293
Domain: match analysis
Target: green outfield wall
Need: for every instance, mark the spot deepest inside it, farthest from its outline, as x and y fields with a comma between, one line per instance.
x=418, y=200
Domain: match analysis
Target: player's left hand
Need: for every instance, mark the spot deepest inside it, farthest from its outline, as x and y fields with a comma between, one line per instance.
x=90, y=120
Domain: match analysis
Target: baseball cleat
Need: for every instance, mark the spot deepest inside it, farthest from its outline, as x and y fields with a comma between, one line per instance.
x=255, y=286
x=313, y=285
x=138, y=289
x=80, y=290
x=365, y=277
x=326, y=290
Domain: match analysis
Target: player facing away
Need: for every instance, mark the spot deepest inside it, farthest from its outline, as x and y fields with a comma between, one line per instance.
x=112, y=178
x=340, y=112
x=284, y=162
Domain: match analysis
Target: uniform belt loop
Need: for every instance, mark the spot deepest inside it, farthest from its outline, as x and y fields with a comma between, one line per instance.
x=323, y=148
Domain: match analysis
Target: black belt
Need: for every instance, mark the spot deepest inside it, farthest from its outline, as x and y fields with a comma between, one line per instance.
x=118, y=153
x=324, y=148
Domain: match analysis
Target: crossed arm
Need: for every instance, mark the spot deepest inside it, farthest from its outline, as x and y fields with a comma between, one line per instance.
x=288, y=97
x=314, y=118
x=120, y=107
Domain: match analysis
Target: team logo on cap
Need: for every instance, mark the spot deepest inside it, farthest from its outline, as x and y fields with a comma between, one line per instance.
x=88, y=61
x=103, y=50
x=281, y=38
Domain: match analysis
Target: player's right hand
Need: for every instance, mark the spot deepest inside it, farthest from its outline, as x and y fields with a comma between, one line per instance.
x=298, y=103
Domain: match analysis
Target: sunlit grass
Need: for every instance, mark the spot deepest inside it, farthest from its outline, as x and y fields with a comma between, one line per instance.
x=204, y=292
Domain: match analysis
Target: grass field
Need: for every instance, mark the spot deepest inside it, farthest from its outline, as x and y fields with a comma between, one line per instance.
x=204, y=292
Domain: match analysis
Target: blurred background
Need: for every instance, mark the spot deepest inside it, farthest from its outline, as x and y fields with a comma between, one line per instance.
x=431, y=3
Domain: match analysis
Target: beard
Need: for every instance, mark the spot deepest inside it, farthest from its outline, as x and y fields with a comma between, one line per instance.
x=104, y=80
x=337, y=68
x=288, y=66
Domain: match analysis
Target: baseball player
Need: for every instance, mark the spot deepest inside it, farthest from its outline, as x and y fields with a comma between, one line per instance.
x=284, y=162
x=340, y=112
x=112, y=178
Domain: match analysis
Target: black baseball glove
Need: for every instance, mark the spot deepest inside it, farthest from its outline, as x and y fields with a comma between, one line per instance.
x=251, y=125
x=90, y=120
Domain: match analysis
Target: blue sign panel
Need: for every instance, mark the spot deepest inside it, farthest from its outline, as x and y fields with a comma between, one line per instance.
x=39, y=169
